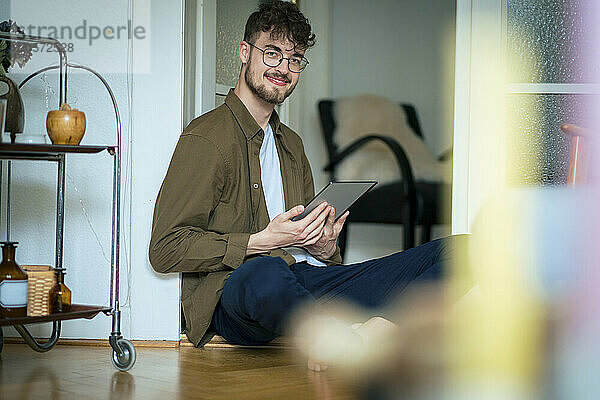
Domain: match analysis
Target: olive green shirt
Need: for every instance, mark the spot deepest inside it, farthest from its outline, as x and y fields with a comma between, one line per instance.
x=211, y=200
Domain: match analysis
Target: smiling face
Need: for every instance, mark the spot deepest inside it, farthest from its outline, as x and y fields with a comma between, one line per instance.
x=270, y=84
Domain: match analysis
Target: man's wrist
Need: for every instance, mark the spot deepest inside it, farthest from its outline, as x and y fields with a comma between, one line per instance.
x=332, y=249
x=328, y=255
x=321, y=253
x=257, y=244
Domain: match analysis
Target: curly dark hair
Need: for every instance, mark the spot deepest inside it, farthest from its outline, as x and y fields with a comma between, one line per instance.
x=284, y=20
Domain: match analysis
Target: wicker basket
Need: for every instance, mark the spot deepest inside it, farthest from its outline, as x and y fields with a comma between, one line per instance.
x=41, y=279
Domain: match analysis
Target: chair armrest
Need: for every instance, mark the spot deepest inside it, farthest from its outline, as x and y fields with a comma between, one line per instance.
x=408, y=181
x=574, y=130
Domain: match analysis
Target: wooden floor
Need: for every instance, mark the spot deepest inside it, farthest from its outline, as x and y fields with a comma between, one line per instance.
x=78, y=372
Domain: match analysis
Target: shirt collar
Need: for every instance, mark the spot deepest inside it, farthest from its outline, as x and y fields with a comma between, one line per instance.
x=246, y=121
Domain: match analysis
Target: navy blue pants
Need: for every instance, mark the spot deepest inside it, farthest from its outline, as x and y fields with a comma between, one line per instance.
x=260, y=295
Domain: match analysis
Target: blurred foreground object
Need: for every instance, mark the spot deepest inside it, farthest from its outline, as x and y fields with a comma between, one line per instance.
x=406, y=358
x=534, y=257
x=527, y=331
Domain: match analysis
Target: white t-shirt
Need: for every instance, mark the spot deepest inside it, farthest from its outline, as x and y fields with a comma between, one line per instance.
x=270, y=175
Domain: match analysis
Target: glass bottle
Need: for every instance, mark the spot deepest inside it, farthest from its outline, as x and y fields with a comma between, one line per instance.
x=13, y=284
x=60, y=294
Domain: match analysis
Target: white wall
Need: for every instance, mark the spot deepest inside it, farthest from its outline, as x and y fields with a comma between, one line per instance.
x=403, y=50
x=150, y=102
x=314, y=84
x=157, y=112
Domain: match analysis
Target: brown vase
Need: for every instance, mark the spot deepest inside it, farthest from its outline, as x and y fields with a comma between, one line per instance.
x=65, y=126
x=15, y=111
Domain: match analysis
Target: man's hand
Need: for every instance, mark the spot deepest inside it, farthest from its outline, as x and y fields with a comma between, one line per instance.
x=324, y=247
x=283, y=232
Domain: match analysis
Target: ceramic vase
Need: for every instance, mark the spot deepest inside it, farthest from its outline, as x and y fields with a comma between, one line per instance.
x=66, y=126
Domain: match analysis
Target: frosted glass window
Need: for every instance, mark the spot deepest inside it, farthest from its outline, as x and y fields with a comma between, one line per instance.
x=540, y=153
x=551, y=41
x=231, y=21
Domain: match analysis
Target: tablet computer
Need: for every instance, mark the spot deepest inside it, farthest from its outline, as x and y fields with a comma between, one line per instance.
x=340, y=195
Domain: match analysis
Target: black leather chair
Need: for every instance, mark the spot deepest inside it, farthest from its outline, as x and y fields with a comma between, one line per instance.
x=405, y=201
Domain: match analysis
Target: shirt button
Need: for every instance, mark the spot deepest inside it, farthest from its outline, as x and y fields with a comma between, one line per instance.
x=255, y=152
x=255, y=186
x=285, y=253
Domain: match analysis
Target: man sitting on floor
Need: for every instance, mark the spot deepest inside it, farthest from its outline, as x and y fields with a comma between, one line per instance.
x=238, y=176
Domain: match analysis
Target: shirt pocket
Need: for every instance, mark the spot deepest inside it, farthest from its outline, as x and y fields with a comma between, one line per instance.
x=295, y=189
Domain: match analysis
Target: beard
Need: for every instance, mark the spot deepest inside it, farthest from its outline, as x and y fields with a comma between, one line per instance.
x=271, y=95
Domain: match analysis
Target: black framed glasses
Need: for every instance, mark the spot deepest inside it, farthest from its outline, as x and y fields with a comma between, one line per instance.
x=273, y=58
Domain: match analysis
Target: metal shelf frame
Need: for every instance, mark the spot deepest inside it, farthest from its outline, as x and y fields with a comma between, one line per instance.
x=122, y=349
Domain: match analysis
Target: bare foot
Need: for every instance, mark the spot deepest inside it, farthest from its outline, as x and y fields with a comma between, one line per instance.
x=376, y=329
x=331, y=340
x=315, y=365
x=362, y=345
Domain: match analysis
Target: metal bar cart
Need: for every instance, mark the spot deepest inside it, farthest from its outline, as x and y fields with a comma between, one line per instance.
x=123, y=351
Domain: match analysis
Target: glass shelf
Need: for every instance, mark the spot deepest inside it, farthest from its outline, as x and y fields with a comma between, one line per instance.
x=43, y=150
x=77, y=311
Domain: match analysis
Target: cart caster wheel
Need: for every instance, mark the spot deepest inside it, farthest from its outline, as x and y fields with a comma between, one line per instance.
x=125, y=361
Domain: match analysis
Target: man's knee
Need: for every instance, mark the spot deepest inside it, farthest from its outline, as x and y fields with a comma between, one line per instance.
x=260, y=279
x=256, y=271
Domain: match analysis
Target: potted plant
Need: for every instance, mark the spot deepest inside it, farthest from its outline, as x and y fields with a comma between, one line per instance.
x=12, y=53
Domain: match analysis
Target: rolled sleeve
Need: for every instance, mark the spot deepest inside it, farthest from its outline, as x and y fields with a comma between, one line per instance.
x=236, y=249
